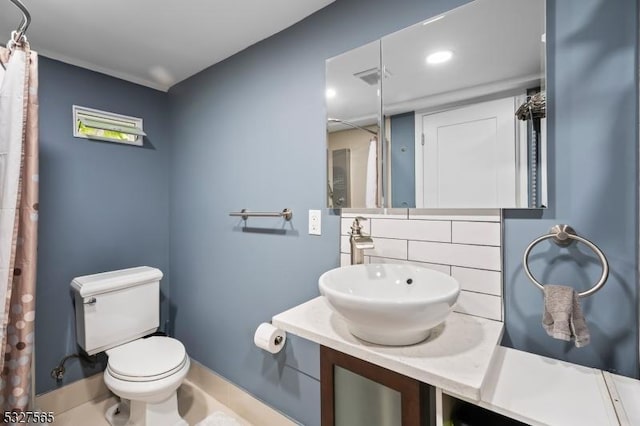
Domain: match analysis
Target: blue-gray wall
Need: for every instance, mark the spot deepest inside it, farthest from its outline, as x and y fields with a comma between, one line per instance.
x=403, y=160
x=103, y=206
x=250, y=133
x=592, y=86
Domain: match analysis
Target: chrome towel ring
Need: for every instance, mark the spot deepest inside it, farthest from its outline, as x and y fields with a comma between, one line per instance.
x=564, y=235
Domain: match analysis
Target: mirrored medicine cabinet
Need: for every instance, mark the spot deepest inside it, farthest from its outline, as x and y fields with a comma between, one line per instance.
x=447, y=113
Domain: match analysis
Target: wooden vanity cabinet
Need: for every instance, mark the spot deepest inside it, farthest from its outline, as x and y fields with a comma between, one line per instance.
x=369, y=392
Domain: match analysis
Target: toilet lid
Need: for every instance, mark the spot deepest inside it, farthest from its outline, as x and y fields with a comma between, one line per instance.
x=147, y=358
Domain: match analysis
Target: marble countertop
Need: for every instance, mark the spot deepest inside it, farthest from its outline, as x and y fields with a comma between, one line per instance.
x=455, y=358
x=625, y=394
x=543, y=391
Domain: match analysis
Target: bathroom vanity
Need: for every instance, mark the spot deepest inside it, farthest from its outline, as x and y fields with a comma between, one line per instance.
x=462, y=362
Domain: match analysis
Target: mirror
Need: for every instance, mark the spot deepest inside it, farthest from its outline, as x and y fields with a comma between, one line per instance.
x=353, y=111
x=462, y=97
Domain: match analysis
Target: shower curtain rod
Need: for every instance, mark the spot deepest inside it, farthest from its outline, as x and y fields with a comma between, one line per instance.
x=24, y=23
x=355, y=126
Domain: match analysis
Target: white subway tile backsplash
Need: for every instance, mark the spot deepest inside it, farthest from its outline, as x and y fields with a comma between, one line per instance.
x=445, y=269
x=482, y=257
x=344, y=244
x=380, y=213
x=465, y=244
x=471, y=215
x=478, y=280
x=481, y=305
x=421, y=230
x=384, y=247
x=482, y=233
x=345, y=226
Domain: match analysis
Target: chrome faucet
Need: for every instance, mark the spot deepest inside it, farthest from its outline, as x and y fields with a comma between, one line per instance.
x=359, y=242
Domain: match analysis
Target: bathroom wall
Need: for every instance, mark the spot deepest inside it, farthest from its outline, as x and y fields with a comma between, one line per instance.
x=238, y=128
x=592, y=129
x=103, y=206
x=465, y=244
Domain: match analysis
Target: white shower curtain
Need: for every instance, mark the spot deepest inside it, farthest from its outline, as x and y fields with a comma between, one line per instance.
x=371, y=183
x=18, y=223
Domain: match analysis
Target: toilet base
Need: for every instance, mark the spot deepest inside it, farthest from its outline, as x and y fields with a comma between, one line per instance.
x=138, y=413
x=118, y=414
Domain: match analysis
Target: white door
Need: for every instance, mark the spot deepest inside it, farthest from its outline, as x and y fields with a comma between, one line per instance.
x=468, y=157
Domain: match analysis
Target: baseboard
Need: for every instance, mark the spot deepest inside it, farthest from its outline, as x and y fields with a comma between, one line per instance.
x=72, y=395
x=237, y=399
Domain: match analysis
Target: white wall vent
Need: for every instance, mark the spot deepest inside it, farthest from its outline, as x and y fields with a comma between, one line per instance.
x=106, y=126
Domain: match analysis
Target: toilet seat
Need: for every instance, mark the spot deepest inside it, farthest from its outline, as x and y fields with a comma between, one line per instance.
x=146, y=360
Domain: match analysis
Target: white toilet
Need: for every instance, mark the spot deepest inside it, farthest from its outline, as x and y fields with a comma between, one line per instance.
x=114, y=310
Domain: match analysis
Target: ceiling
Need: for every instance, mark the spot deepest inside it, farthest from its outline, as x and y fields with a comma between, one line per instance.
x=155, y=43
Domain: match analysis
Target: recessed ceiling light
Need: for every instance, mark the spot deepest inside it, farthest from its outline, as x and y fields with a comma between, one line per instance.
x=432, y=20
x=439, y=57
x=330, y=93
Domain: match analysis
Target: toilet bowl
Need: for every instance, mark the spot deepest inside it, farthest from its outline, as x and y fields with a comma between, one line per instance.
x=146, y=373
x=114, y=312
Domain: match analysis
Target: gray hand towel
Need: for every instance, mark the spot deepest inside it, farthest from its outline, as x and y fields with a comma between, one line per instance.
x=563, y=318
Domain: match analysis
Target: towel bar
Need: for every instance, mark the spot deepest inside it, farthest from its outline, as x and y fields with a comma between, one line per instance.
x=564, y=235
x=287, y=214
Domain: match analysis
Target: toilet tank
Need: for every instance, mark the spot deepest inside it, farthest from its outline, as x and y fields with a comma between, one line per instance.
x=116, y=307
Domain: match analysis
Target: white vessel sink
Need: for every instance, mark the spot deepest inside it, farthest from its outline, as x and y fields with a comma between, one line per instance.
x=390, y=304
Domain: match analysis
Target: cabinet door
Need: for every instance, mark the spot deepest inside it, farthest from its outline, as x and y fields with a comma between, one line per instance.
x=358, y=393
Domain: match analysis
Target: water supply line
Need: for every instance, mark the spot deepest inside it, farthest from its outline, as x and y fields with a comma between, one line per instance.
x=58, y=371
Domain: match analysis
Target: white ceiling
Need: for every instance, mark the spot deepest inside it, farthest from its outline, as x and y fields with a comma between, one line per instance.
x=155, y=43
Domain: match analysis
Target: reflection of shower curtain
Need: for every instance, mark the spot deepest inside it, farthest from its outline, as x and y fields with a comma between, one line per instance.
x=372, y=175
x=18, y=223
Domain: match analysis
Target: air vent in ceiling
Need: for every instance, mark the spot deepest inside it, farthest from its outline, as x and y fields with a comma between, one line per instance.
x=371, y=76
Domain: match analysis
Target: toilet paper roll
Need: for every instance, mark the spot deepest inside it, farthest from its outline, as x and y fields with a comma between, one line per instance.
x=269, y=338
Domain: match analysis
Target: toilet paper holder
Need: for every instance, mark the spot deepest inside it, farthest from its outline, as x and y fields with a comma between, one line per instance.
x=269, y=338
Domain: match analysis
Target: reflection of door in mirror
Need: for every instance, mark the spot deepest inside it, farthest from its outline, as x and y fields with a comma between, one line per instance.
x=462, y=76
x=468, y=157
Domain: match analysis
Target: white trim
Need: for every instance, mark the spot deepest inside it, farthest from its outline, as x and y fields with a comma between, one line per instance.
x=72, y=395
x=107, y=71
x=235, y=398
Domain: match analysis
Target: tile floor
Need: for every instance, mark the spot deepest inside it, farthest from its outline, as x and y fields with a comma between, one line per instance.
x=194, y=405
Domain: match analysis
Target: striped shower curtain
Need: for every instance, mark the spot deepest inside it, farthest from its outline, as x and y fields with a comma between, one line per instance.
x=18, y=223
